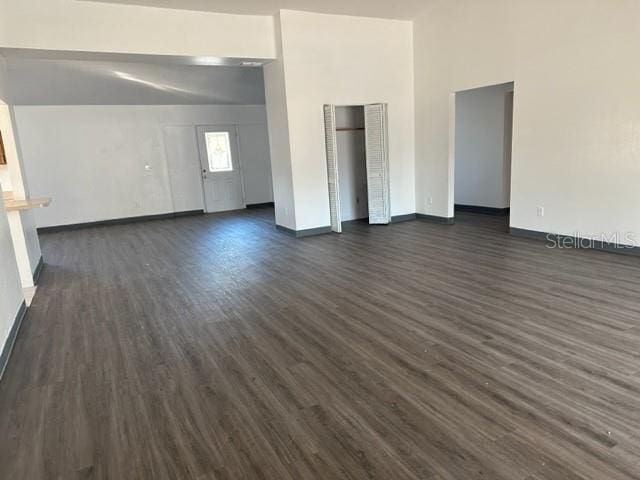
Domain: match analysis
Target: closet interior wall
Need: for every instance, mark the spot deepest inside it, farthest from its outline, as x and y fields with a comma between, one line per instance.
x=352, y=168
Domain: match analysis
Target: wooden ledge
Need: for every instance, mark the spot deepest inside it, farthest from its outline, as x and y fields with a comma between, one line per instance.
x=16, y=205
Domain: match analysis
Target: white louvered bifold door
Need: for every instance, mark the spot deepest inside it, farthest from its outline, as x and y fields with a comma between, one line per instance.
x=332, y=166
x=375, y=121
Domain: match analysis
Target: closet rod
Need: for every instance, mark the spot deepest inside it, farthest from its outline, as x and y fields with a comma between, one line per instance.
x=348, y=129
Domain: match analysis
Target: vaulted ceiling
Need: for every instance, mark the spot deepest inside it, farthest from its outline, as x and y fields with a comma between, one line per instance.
x=399, y=9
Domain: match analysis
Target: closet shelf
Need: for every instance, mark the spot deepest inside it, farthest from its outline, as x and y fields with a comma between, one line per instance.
x=12, y=205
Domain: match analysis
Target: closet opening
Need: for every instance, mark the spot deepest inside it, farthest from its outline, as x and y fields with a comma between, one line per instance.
x=357, y=164
x=352, y=164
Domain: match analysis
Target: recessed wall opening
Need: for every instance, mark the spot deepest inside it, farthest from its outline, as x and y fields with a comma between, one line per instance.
x=483, y=134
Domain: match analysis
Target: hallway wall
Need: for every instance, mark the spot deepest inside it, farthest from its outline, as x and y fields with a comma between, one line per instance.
x=102, y=162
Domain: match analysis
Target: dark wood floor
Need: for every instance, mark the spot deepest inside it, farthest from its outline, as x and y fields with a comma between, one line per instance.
x=214, y=347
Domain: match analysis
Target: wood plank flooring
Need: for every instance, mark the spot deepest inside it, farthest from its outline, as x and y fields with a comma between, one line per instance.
x=214, y=347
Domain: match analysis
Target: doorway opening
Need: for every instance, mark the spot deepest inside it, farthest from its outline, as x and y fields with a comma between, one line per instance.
x=482, y=158
x=357, y=164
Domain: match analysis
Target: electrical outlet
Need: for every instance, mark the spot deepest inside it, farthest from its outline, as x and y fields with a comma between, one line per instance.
x=429, y=200
x=541, y=211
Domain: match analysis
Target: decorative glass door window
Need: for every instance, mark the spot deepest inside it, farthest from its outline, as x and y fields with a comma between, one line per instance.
x=218, y=151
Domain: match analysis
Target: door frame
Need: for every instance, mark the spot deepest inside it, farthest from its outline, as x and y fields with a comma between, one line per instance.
x=239, y=160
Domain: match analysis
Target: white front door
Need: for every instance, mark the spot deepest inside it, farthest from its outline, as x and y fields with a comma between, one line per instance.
x=221, y=175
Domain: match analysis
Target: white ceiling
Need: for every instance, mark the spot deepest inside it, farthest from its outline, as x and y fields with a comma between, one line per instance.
x=400, y=9
x=37, y=81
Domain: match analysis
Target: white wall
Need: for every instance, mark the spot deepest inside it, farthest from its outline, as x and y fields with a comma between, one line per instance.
x=576, y=138
x=11, y=297
x=256, y=163
x=352, y=175
x=279, y=138
x=102, y=27
x=352, y=168
x=332, y=59
x=21, y=223
x=183, y=167
x=481, y=173
x=10, y=289
x=91, y=159
x=5, y=176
